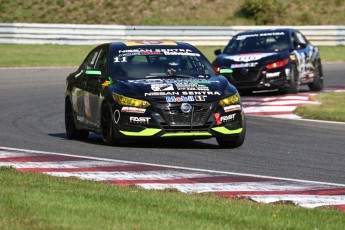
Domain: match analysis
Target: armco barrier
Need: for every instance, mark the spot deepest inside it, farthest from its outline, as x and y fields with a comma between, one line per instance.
x=77, y=34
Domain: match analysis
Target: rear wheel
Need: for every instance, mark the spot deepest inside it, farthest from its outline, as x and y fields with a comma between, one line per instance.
x=317, y=85
x=294, y=82
x=232, y=142
x=107, y=127
x=71, y=130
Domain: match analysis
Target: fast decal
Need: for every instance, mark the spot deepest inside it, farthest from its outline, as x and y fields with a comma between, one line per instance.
x=138, y=43
x=162, y=87
x=248, y=57
x=139, y=120
x=132, y=110
x=273, y=75
x=244, y=65
x=232, y=108
x=301, y=62
x=227, y=118
x=242, y=37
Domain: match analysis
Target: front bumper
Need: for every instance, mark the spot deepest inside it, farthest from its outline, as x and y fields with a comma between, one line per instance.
x=157, y=123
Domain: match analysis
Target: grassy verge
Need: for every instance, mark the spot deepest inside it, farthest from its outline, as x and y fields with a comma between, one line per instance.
x=37, y=201
x=332, y=107
x=13, y=55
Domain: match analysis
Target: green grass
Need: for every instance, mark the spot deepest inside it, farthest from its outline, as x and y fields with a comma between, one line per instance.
x=332, y=107
x=167, y=12
x=37, y=201
x=16, y=55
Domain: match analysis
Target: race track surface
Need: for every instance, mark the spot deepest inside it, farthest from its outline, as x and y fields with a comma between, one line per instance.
x=32, y=117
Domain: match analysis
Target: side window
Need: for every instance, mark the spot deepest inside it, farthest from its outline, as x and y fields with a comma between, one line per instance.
x=101, y=62
x=91, y=59
x=300, y=38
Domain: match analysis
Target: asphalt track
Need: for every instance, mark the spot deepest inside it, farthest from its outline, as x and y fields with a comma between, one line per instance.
x=32, y=117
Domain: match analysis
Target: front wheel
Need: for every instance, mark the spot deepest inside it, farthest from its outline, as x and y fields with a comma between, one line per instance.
x=232, y=142
x=294, y=81
x=71, y=130
x=107, y=127
x=317, y=85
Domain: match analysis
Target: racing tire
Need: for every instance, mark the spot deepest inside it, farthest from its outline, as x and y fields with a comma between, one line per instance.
x=232, y=142
x=71, y=130
x=107, y=127
x=294, y=83
x=317, y=85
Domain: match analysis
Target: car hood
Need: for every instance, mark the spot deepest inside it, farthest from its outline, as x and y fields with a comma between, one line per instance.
x=175, y=89
x=240, y=60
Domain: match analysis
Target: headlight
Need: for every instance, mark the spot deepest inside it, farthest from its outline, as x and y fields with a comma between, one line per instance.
x=233, y=99
x=127, y=101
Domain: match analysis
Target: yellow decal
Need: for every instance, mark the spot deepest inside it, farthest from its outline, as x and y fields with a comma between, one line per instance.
x=140, y=43
x=106, y=83
x=292, y=57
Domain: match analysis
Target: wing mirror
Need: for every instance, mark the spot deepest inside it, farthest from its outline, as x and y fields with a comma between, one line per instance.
x=217, y=52
x=95, y=73
x=225, y=71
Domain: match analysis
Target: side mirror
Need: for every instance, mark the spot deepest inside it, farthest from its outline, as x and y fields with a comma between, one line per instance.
x=217, y=52
x=300, y=46
x=93, y=73
x=225, y=71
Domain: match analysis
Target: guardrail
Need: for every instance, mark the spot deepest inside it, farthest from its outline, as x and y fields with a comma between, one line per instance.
x=76, y=34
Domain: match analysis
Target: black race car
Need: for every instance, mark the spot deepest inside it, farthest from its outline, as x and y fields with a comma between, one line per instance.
x=280, y=59
x=152, y=89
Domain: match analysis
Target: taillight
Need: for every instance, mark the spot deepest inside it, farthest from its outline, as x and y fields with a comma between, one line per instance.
x=277, y=64
x=216, y=68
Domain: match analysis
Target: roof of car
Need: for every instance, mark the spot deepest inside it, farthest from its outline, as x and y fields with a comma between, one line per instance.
x=150, y=44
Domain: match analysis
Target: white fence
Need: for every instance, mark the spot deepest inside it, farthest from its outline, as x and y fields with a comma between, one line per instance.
x=76, y=34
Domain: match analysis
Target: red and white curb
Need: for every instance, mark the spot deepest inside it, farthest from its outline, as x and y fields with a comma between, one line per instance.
x=281, y=106
x=308, y=194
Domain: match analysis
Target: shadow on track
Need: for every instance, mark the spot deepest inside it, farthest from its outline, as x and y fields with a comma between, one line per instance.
x=95, y=139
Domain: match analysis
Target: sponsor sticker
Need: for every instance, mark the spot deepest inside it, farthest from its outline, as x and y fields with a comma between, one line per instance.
x=244, y=65
x=180, y=99
x=162, y=87
x=232, y=108
x=248, y=57
x=132, y=110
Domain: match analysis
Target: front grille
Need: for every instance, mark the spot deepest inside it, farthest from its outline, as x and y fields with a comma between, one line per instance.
x=175, y=119
x=240, y=76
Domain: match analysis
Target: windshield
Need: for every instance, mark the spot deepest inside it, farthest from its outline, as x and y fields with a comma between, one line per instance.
x=258, y=42
x=158, y=62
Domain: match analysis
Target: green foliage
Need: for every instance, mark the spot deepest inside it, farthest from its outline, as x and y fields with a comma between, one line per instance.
x=37, y=201
x=264, y=11
x=332, y=108
x=174, y=13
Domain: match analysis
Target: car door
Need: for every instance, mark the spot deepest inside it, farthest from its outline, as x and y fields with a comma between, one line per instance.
x=80, y=91
x=93, y=92
x=302, y=52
